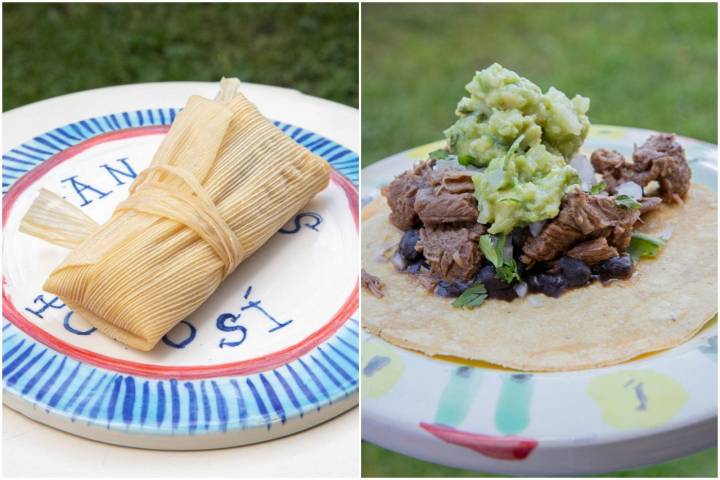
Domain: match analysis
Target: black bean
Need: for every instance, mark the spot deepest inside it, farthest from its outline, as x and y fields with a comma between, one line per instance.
x=414, y=267
x=517, y=236
x=485, y=274
x=616, y=267
x=575, y=272
x=495, y=287
x=551, y=284
x=407, y=245
x=417, y=267
x=507, y=294
x=521, y=268
x=450, y=289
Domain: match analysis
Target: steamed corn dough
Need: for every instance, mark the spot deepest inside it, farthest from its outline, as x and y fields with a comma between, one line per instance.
x=222, y=182
x=664, y=304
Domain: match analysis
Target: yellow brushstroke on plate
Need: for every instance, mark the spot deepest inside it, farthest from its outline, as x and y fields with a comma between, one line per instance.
x=382, y=367
x=599, y=132
x=637, y=398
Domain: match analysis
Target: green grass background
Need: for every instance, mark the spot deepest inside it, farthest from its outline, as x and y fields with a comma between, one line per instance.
x=642, y=65
x=52, y=49
x=651, y=66
x=378, y=462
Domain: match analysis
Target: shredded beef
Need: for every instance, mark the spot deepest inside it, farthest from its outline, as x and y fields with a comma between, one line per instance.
x=665, y=159
x=453, y=181
x=648, y=204
x=372, y=283
x=422, y=195
x=401, y=194
x=435, y=208
x=660, y=158
x=453, y=252
x=448, y=199
x=427, y=281
x=582, y=217
x=593, y=251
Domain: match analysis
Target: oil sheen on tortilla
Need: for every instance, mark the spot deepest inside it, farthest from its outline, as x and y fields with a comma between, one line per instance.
x=664, y=304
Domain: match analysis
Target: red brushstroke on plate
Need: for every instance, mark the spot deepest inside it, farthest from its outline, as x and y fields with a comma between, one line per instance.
x=245, y=367
x=494, y=446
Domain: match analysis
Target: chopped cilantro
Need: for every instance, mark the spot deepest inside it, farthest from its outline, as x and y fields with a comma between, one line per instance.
x=466, y=160
x=644, y=245
x=493, y=251
x=505, y=270
x=597, y=188
x=627, y=201
x=472, y=297
x=508, y=272
x=439, y=155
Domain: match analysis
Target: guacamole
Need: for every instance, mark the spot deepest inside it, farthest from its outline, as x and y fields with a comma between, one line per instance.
x=520, y=188
x=524, y=138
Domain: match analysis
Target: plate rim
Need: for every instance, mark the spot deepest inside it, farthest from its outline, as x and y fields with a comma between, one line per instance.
x=373, y=419
x=345, y=171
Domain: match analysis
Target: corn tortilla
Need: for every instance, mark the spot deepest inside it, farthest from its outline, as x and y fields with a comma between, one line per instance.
x=664, y=304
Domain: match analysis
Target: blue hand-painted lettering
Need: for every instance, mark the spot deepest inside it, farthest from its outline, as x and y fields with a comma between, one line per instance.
x=227, y=322
x=81, y=187
x=256, y=305
x=223, y=323
x=298, y=224
x=128, y=172
x=71, y=329
x=87, y=192
x=55, y=302
x=185, y=341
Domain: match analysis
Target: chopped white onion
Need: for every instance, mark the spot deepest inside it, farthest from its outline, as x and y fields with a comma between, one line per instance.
x=535, y=301
x=631, y=189
x=667, y=233
x=521, y=289
x=581, y=163
x=449, y=163
x=536, y=227
x=399, y=261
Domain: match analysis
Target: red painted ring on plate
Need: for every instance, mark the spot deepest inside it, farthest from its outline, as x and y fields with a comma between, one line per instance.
x=245, y=367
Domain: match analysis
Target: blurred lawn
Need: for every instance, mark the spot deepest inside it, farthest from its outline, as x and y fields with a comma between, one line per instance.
x=651, y=66
x=378, y=462
x=52, y=49
x=643, y=65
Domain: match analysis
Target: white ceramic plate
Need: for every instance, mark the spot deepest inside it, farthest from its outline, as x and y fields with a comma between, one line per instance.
x=273, y=351
x=474, y=416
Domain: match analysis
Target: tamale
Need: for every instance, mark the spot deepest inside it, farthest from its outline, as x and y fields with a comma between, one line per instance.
x=222, y=182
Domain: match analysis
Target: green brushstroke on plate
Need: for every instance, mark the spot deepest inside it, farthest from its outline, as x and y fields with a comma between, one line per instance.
x=512, y=414
x=457, y=396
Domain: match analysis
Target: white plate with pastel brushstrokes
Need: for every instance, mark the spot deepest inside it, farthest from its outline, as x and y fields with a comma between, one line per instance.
x=273, y=351
x=475, y=416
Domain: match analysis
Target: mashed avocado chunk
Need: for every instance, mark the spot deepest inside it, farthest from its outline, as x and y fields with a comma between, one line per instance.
x=524, y=137
x=521, y=188
x=502, y=106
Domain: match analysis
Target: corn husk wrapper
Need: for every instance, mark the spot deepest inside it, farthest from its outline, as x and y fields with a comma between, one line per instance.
x=222, y=182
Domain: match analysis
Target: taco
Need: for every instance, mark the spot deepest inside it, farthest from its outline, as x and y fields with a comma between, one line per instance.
x=512, y=247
